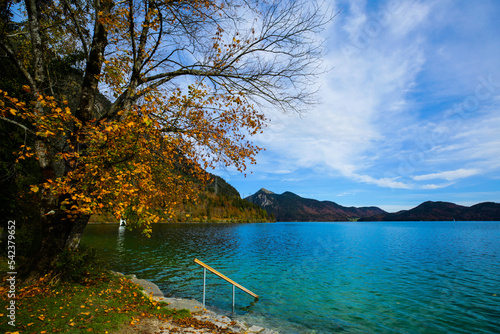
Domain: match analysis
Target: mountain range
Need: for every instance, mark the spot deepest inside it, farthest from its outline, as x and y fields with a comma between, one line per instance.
x=291, y=207
x=443, y=211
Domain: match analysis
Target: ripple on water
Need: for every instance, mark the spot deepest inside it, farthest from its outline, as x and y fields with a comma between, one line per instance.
x=327, y=277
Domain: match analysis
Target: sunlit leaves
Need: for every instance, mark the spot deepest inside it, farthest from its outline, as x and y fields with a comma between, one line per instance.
x=144, y=156
x=143, y=166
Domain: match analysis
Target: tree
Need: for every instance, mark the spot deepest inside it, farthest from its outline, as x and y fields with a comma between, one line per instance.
x=124, y=103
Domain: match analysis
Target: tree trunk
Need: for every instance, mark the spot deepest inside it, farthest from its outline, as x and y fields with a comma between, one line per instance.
x=36, y=46
x=85, y=111
x=76, y=232
x=56, y=234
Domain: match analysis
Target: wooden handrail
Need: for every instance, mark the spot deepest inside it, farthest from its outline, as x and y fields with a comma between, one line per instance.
x=225, y=278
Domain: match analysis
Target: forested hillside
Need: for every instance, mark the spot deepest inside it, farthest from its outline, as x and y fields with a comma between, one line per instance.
x=291, y=207
x=443, y=211
x=219, y=202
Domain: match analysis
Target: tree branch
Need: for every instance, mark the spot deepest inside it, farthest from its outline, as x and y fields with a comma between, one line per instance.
x=10, y=53
x=18, y=124
x=78, y=28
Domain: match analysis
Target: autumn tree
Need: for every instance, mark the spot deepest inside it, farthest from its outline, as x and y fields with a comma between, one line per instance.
x=124, y=104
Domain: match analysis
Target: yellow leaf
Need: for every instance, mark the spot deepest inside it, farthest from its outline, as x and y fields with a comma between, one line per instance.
x=13, y=111
x=34, y=188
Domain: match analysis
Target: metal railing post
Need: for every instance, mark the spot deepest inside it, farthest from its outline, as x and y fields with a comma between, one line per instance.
x=233, y=296
x=234, y=284
x=204, y=284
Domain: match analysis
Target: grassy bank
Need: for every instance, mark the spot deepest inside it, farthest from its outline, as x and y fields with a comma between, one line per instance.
x=98, y=303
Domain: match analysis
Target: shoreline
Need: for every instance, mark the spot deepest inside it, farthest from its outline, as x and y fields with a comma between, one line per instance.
x=208, y=317
x=93, y=222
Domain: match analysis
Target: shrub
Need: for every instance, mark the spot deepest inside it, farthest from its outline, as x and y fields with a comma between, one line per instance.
x=77, y=265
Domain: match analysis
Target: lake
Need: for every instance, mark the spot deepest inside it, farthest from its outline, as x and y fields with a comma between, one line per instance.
x=352, y=277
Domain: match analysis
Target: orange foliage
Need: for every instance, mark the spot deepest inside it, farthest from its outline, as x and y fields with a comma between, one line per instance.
x=146, y=153
x=142, y=166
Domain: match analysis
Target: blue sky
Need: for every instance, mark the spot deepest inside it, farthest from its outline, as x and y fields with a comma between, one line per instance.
x=410, y=110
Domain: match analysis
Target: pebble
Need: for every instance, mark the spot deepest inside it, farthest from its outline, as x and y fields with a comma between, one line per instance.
x=221, y=321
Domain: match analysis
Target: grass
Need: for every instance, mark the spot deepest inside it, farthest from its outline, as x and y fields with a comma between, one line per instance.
x=100, y=303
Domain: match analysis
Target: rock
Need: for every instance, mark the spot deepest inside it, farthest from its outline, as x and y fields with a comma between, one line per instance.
x=149, y=287
x=268, y=331
x=255, y=329
x=196, y=308
x=238, y=326
x=192, y=305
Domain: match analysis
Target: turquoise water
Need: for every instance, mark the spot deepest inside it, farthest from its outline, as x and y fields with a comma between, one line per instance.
x=404, y=277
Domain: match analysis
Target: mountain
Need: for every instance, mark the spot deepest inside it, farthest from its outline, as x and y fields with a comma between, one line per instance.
x=442, y=211
x=220, y=202
x=217, y=202
x=291, y=207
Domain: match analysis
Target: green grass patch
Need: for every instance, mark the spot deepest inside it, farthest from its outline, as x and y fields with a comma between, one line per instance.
x=100, y=303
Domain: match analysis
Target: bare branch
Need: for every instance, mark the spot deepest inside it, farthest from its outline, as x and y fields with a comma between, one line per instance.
x=17, y=124
x=10, y=53
x=78, y=28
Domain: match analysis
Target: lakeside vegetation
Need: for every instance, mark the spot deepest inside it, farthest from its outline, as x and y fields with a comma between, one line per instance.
x=78, y=298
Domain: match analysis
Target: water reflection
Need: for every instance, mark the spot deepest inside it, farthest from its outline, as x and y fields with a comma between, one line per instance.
x=327, y=277
x=120, y=239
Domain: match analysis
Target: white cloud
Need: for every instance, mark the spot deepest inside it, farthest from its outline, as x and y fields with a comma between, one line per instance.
x=391, y=112
x=434, y=186
x=383, y=182
x=364, y=103
x=451, y=175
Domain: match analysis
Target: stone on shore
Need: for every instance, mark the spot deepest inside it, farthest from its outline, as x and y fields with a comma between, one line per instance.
x=149, y=287
x=198, y=312
x=192, y=305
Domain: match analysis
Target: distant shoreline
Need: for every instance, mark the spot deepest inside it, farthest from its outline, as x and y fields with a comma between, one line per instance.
x=190, y=222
